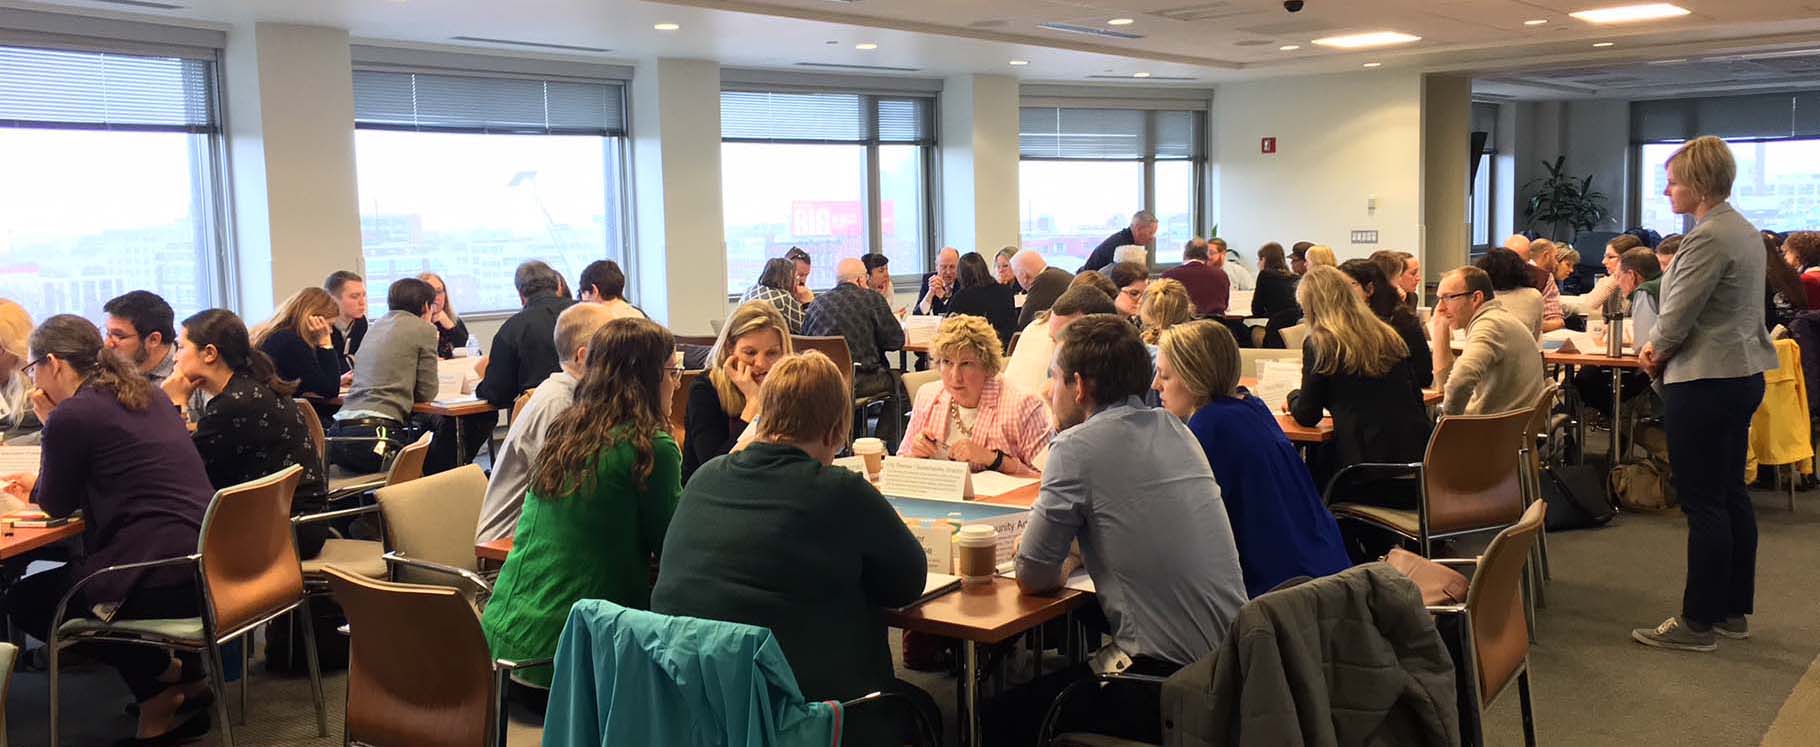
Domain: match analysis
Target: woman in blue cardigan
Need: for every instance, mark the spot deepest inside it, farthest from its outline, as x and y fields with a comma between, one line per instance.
x=1281, y=527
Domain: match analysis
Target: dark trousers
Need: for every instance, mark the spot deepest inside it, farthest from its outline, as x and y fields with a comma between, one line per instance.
x=360, y=456
x=1127, y=710
x=1708, y=424
x=33, y=600
x=476, y=430
x=1594, y=385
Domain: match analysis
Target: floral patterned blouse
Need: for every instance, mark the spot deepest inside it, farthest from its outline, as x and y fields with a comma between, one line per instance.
x=249, y=431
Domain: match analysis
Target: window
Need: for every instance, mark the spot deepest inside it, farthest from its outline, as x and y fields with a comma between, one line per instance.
x=1085, y=171
x=1775, y=139
x=1484, y=179
x=112, y=185
x=469, y=176
x=836, y=174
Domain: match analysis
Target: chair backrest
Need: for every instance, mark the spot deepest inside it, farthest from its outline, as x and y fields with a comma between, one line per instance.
x=408, y=465
x=702, y=340
x=833, y=347
x=433, y=518
x=9, y=654
x=1011, y=347
x=1473, y=479
x=679, y=403
x=1293, y=336
x=1537, y=429
x=1249, y=357
x=1500, y=633
x=250, y=567
x=518, y=404
x=313, y=423
x=419, y=671
x=917, y=380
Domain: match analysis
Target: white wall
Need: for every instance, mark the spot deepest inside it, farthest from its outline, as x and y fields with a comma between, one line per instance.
x=1341, y=140
x=290, y=98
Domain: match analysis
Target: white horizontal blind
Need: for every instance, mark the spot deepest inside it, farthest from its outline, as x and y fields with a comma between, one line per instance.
x=45, y=88
x=815, y=117
x=1108, y=134
x=427, y=102
x=1757, y=116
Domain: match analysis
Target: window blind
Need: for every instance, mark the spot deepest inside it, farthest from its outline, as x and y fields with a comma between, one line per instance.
x=1108, y=134
x=814, y=117
x=426, y=102
x=46, y=88
x=1756, y=116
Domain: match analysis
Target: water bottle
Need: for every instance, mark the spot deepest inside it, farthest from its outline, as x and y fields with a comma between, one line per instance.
x=473, y=347
x=1614, y=326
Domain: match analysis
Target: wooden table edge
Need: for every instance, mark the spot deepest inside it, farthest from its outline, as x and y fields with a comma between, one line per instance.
x=911, y=619
x=27, y=539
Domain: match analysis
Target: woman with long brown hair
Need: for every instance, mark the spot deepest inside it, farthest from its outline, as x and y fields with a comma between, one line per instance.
x=1357, y=367
x=602, y=492
x=115, y=450
x=299, y=338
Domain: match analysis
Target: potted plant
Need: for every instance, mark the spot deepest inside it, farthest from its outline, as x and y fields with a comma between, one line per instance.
x=1560, y=199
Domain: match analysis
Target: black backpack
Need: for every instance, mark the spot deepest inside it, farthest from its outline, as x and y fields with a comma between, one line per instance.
x=1576, y=496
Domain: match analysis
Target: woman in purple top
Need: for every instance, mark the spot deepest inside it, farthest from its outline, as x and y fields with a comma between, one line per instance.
x=1281, y=528
x=118, y=452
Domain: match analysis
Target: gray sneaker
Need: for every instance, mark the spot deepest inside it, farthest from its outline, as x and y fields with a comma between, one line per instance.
x=1674, y=633
x=1735, y=628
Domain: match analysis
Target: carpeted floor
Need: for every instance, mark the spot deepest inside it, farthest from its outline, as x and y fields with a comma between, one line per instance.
x=1593, y=686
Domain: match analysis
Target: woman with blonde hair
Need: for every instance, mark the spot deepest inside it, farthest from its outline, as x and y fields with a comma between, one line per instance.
x=299, y=339
x=724, y=399
x=451, y=331
x=1708, y=349
x=975, y=416
x=15, y=329
x=1321, y=255
x=1357, y=367
x=847, y=557
x=1278, y=521
x=1165, y=305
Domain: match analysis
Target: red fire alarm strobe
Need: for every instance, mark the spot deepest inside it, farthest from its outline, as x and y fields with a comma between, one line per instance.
x=1269, y=145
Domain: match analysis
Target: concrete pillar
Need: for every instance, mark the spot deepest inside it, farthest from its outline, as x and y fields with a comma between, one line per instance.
x=1446, y=152
x=290, y=112
x=979, y=126
x=681, y=245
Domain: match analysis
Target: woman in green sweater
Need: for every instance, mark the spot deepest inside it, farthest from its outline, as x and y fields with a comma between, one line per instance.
x=602, y=492
x=775, y=536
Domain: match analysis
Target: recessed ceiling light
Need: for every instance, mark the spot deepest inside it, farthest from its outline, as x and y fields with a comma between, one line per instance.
x=865, y=46
x=1289, y=47
x=1372, y=39
x=1535, y=22
x=1120, y=22
x=666, y=27
x=1602, y=45
x=1631, y=13
x=1140, y=75
x=1020, y=63
x=1374, y=64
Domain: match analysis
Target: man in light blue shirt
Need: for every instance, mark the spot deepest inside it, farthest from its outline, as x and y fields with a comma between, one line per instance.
x=1133, y=486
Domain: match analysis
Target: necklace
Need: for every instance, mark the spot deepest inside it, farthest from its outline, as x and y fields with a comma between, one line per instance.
x=954, y=417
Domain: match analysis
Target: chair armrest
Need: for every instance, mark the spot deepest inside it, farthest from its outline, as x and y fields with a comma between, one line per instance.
x=1460, y=562
x=63, y=604
x=1411, y=469
x=332, y=515
x=1099, y=680
x=925, y=731
x=1447, y=609
x=361, y=440
x=481, y=584
x=513, y=665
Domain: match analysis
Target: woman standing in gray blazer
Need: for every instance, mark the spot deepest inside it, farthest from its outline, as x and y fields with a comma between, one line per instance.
x=1709, y=350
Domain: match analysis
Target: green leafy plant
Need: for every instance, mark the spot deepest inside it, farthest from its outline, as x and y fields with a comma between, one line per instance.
x=1562, y=200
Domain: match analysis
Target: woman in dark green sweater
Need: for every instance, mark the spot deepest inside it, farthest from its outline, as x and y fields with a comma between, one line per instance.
x=602, y=492
x=774, y=536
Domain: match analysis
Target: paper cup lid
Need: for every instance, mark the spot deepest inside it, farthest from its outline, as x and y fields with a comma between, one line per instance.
x=977, y=532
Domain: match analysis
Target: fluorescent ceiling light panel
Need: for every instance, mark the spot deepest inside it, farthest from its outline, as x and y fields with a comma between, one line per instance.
x=1120, y=22
x=1367, y=40
x=666, y=27
x=1535, y=22
x=1020, y=63
x=1631, y=13
x=1140, y=75
x=1289, y=47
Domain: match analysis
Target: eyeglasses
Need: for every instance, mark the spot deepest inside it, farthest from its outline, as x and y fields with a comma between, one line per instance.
x=1444, y=297
x=675, y=372
x=33, y=366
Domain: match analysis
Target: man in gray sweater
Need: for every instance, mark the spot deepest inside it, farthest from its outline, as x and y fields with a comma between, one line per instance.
x=396, y=370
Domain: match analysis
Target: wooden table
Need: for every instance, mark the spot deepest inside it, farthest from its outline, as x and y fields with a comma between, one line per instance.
x=494, y=549
x=976, y=615
x=1618, y=365
x=16, y=541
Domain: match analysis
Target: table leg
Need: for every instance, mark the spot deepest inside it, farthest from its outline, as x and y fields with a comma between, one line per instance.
x=1617, y=417
x=968, y=689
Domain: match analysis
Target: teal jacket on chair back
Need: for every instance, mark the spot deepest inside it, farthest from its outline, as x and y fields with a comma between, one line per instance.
x=629, y=677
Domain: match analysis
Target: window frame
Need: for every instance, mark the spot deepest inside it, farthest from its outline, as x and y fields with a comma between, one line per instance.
x=619, y=175
x=1200, y=163
x=871, y=183
x=210, y=204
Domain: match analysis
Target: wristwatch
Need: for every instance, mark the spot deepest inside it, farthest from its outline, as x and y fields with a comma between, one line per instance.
x=999, y=462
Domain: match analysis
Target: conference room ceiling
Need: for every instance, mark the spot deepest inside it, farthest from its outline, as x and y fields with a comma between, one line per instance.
x=1181, y=42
